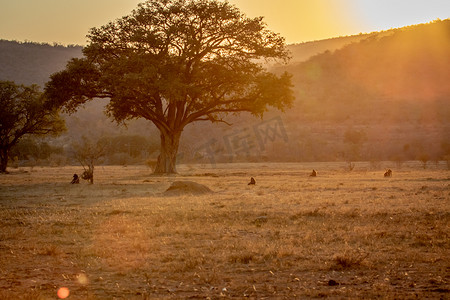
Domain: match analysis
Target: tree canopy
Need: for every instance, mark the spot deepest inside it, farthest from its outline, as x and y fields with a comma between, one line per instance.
x=174, y=62
x=24, y=112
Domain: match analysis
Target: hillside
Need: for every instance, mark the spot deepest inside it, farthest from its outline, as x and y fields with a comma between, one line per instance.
x=304, y=51
x=389, y=88
x=407, y=67
x=32, y=63
x=28, y=62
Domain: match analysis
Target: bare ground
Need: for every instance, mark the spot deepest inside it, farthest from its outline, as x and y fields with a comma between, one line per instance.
x=339, y=235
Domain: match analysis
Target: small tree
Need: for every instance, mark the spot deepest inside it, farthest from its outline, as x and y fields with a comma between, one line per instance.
x=174, y=62
x=24, y=111
x=447, y=159
x=354, y=139
x=424, y=158
x=446, y=153
x=87, y=153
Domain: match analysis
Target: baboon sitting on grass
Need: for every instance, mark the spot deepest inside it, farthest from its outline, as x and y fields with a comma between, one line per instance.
x=75, y=179
x=313, y=173
x=388, y=173
x=252, y=181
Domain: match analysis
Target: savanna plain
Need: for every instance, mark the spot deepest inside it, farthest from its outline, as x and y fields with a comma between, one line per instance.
x=343, y=234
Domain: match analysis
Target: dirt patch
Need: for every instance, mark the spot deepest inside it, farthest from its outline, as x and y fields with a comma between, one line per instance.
x=187, y=188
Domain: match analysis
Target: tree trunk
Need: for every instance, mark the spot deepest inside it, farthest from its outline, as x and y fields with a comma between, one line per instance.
x=3, y=160
x=166, y=163
x=91, y=172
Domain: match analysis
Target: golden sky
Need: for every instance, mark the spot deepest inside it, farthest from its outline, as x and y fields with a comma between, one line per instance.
x=303, y=20
x=68, y=21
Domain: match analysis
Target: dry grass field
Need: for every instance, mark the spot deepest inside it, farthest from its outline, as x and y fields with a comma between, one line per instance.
x=339, y=235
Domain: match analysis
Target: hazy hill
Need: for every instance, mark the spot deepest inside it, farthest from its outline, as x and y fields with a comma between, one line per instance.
x=400, y=76
x=391, y=88
x=33, y=63
x=303, y=51
x=28, y=62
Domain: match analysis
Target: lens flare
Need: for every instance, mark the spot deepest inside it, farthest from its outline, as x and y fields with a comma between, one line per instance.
x=63, y=293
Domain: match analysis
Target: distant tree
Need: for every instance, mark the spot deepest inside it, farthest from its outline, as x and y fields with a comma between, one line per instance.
x=133, y=145
x=174, y=62
x=447, y=159
x=424, y=158
x=446, y=153
x=407, y=151
x=355, y=137
x=445, y=146
x=399, y=160
x=26, y=148
x=33, y=149
x=88, y=152
x=355, y=140
x=24, y=111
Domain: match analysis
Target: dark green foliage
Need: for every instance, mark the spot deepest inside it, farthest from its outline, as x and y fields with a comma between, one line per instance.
x=29, y=148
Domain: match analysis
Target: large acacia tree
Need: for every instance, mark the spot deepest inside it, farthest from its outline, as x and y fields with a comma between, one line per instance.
x=175, y=62
x=24, y=111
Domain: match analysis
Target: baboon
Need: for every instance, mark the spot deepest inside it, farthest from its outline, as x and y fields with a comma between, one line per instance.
x=252, y=181
x=388, y=173
x=313, y=173
x=75, y=179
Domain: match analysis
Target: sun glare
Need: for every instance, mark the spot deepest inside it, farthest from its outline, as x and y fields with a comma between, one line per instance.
x=420, y=54
x=322, y=19
x=304, y=20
